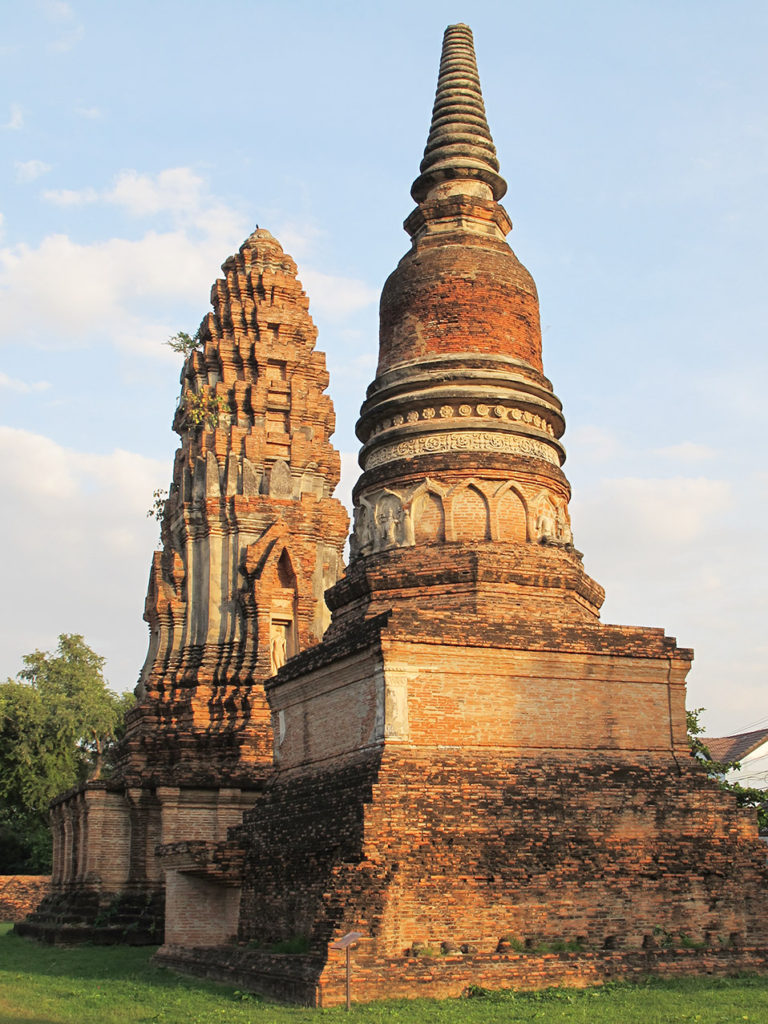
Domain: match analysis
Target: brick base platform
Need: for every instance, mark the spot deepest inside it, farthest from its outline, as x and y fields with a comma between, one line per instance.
x=90, y=915
x=297, y=979
x=460, y=871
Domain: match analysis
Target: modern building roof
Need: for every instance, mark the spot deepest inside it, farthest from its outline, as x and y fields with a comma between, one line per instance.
x=736, y=748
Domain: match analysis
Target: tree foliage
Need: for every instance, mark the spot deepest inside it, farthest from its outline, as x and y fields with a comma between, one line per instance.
x=185, y=343
x=58, y=726
x=746, y=796
x=202, y=408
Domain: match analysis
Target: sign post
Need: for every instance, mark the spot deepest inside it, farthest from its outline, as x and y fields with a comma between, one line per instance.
x=346, y=942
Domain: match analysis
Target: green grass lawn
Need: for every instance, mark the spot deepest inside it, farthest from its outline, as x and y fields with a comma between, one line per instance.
x=102, y=985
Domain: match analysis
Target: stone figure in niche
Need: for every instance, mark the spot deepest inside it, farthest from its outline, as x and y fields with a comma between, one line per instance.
x=389, y=514
x=361, y=539
x=564, y=535
x=545, y=524
x=278, y=645
x=407, y=532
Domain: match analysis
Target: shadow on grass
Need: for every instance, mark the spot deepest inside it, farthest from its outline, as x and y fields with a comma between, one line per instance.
x=116, y=963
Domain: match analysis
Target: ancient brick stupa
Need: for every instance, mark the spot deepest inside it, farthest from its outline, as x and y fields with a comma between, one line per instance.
x=472, y=771
x=251, y=538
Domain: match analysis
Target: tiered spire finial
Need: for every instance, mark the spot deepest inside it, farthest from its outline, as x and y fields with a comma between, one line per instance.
x=459, y=143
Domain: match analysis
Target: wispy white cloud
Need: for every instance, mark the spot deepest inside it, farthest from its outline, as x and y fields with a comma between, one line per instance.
x=63, y=293
x=30, y=170
x=679, y=553
x=71, y=196
x=99, y=290
x=299, y=239
x=21, y=386
x=90, y=113
x=686, y=451
x=63, y=17
x=68, y=40
x=58, y=10
x=336, y=297
x=88, y=511
x=15, y=120
x=666, y=512
x=594, y=444
x=177, y=192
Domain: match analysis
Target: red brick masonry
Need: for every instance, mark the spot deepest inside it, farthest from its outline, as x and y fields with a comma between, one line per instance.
x=20, y=894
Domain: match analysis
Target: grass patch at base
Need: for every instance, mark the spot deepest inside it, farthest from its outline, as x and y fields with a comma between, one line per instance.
x=42, y=984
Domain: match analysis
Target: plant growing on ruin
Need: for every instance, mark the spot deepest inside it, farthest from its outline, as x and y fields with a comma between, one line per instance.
x=202, y=408
x=185, y=343
x=157, y=509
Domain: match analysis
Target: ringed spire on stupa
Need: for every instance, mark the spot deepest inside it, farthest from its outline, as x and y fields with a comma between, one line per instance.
x=461, y=431
x=459, y=143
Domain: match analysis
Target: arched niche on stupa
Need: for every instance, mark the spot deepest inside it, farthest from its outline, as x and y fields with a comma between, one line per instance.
x=468, y=513
x=363, y=530
x=428, y=514
x=511, y=514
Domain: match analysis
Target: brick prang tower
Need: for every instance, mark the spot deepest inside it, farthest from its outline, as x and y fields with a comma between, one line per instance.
x=251, y=539
x=473, y=771
x=251, y=535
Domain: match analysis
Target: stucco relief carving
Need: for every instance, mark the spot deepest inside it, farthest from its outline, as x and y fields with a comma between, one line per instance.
x=390, y=519
x=563, y=526
x=278, y=645
x=361, y=538
x=551, y=521
x=480, y=410
x=393, y=523
x=545, y=522
x=457, y=441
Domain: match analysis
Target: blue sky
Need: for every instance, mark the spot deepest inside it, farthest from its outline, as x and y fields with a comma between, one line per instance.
x=142, y=142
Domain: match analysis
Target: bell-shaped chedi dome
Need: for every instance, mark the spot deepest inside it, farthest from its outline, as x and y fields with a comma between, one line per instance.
x=460, y=429
x=460, y=289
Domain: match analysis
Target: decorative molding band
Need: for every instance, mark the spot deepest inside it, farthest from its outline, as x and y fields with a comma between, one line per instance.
x=462, y=441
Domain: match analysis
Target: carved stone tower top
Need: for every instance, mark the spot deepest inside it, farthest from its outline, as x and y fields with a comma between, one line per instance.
x=460, y=429
x=251, y=534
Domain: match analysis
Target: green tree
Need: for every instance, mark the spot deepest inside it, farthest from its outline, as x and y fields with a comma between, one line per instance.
x=59, y=723
x=746, y=796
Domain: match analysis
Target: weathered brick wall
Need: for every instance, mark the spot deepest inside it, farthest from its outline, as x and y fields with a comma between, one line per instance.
x=295, y=978
x=199, y=912
x=473, y=849
x=448, y=865
x=20, y=894
x=448, y=667
x=305, y=828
